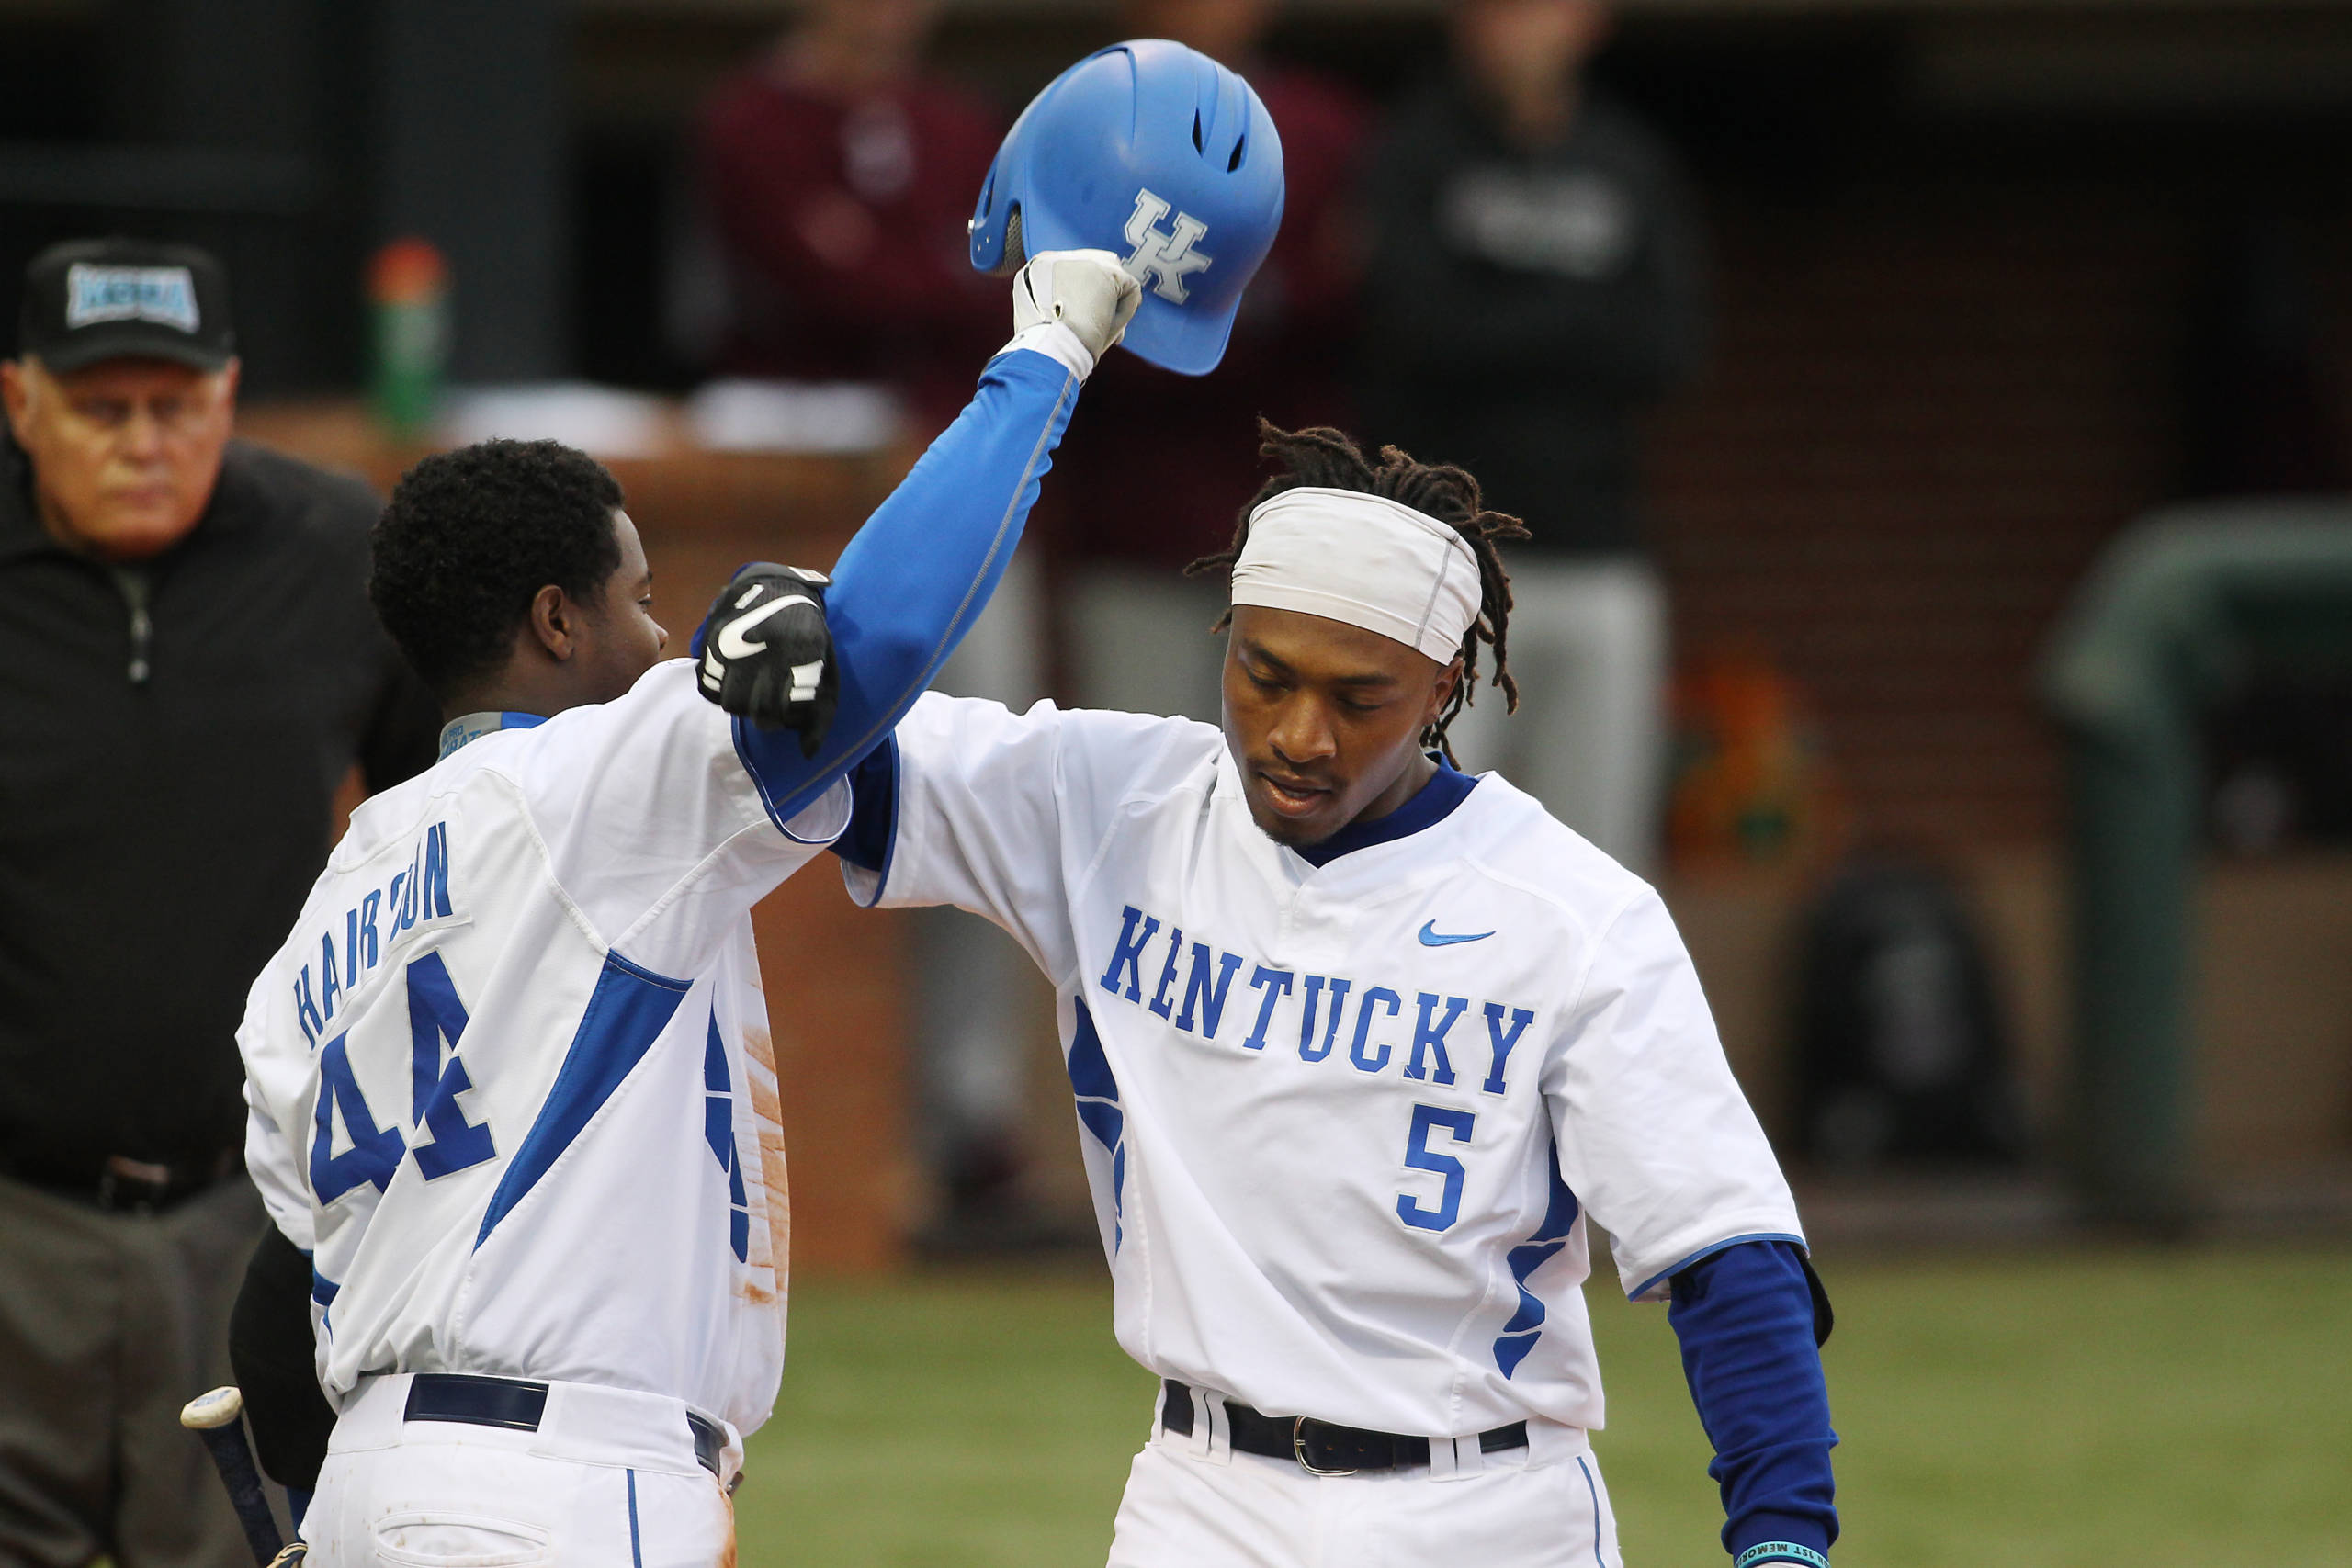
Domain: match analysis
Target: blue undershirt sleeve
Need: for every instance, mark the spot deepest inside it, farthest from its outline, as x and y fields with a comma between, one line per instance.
x=921, y=571
x=874, y=811
x=1745, y=1317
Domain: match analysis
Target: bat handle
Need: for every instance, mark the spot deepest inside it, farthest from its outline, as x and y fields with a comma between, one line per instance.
x=218, y=1422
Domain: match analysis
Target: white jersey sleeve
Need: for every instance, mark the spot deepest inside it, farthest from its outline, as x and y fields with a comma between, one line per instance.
x=1654, y=1133
x=272, y=1159
x=1001, y=813
x=657, y=824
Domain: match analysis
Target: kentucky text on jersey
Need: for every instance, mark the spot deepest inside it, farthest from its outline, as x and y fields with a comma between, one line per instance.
x=369, y=929
x=1341, y=1165
x=1312, y=1007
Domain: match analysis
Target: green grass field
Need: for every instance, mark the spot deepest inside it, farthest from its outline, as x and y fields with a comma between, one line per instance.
x=2163, y=1409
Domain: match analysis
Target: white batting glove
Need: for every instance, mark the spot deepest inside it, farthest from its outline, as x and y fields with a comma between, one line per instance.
x=1086, y=291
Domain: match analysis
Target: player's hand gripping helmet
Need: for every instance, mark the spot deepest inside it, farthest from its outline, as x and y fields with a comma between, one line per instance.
x=1154, y=152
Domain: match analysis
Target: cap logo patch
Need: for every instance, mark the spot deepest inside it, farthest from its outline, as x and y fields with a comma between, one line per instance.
x=1163, y=260
x=164, y=295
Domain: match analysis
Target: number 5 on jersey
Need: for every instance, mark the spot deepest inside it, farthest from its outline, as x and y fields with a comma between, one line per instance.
x=436, y=1017
x=1457, y=1125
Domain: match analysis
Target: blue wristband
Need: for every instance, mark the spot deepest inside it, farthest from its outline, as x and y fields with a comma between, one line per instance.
x=1779, y=1551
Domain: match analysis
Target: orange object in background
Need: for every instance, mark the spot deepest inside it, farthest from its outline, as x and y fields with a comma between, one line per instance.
x=1750, y=786
x=408, y=293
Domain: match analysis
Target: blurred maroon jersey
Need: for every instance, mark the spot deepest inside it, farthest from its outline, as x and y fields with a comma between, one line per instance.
x=842, y=223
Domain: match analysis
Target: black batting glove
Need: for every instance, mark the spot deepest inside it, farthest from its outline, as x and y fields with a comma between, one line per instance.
x=764, y=652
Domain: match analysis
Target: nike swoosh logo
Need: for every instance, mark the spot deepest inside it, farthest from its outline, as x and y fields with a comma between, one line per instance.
x=1431, y=937
x=733, y=644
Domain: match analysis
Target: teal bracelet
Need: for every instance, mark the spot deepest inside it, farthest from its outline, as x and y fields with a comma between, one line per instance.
x=1779, y=1551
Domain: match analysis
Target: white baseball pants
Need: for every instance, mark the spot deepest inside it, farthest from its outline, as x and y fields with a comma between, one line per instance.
x=1192, y=1503
x=608, y=1480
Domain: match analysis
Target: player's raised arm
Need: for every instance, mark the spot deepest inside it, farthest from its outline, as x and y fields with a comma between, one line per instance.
x=1144, y=146
x=921, y=571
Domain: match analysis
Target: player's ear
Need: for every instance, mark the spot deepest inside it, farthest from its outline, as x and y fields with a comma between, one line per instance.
x=555, y=622
x=16, y=393
x=1443, y=692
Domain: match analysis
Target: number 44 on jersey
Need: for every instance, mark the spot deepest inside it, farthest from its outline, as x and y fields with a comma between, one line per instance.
x=436, y=1020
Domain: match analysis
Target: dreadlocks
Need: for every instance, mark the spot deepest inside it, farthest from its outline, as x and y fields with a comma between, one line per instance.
x=1327, y=460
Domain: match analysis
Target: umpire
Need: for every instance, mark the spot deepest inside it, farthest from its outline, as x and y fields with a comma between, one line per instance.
x=189, y=670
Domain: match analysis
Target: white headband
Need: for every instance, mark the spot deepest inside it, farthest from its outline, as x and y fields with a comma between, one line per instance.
x=1364, y=560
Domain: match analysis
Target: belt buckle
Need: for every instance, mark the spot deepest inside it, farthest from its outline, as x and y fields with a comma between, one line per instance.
x=1298, y=1450
x=135, y=1186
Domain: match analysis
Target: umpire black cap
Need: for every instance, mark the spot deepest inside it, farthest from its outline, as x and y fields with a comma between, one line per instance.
x=91, y=300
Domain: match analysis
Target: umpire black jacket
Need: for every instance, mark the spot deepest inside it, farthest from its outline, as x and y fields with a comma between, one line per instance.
x=172, y=738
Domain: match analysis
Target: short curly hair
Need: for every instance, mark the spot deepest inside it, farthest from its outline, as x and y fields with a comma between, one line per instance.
x=472, y=536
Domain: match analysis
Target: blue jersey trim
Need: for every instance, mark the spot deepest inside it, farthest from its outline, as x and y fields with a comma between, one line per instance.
x=629, y=1009
x=459, y=732
x=776, y=754
x=718, y=1131
x=1097, y=1092
x=1432, y=804
x=1526, y=1325
x=1592, y=1491
x=1646, y=1286
x=871, y=843
x=1540, y=1248
x=636, y=1544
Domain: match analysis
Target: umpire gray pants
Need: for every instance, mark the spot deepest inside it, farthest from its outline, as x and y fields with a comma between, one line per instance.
x=108, y=1323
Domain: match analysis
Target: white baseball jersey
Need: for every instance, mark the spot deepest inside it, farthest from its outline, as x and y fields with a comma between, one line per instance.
x=1343, y=1124
x=510, y=1078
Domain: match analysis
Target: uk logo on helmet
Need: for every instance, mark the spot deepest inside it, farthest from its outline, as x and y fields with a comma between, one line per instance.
x=1162, y=261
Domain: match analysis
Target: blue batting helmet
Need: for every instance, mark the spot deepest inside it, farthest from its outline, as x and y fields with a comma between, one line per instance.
x=1157, y=152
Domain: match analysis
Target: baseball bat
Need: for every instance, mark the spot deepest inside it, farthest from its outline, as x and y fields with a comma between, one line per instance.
x=216, y=1417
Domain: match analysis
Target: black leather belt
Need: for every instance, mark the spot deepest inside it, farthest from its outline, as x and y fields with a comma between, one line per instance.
x=121, y=1185
x=1320, y=1447
x=517, y=1404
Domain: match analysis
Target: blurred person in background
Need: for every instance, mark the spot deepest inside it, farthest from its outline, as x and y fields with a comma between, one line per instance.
x=1537, y=280
x=835, y=176
x=1137, y=630
x=189, y=671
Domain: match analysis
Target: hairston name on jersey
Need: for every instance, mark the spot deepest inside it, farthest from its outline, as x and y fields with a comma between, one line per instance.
x=416, y=896
x=1199, y=1007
